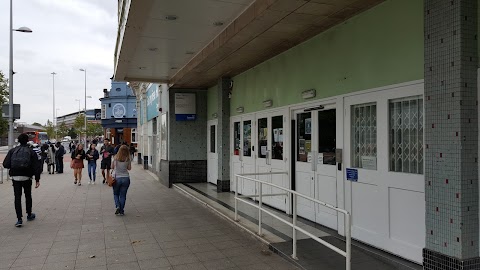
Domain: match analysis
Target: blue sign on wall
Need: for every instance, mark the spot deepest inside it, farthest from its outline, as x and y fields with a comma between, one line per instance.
x=352, y=175
x=152, y=102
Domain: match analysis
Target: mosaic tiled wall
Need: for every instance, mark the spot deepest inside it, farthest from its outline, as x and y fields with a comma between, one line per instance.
x=451, y=132
x=223, y=134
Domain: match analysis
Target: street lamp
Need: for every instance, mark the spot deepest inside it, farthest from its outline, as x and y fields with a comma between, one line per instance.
x=10, y=77
x=53, y=90
x=55, y=116
x=85, y=122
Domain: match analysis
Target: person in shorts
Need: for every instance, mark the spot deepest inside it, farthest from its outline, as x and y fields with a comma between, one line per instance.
x=106, y=152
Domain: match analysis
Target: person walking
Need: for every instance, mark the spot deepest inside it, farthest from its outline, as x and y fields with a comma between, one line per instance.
x=92, y=156
x=77, y=163
x=23, y=164
x=43, y=154
x=132, y=151
x=51, y=159
x=121, y=164
x=59, y=157
x=106, y=151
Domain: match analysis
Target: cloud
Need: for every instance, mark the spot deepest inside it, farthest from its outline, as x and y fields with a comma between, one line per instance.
x=67, y=35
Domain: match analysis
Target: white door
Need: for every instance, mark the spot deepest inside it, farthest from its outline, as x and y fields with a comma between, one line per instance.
x=212, y=155
x=315, y=165
x=243, y=156
x=272, y=154
x=384, y=144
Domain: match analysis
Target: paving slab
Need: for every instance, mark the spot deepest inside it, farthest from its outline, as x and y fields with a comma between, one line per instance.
x=76, y=228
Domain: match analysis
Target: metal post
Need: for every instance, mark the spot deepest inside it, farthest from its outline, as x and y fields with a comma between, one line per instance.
x=259, y=208
x=294, y=231
x=10, y=83
x=85, y=112
x=1, y=177
x=236, y=197
x=53, y=108
x=348, y=236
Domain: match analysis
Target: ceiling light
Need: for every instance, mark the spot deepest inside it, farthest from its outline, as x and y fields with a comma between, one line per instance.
x=153, y=49
x=171, y=17
x=190, y=52
x=173, y=68
x=218, y=23
x=142, y=67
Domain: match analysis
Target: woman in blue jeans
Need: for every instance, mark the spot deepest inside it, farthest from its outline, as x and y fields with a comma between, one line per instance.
x=121, y=163
x=91, y=157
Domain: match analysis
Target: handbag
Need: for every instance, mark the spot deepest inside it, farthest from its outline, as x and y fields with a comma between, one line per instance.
x=111, y=178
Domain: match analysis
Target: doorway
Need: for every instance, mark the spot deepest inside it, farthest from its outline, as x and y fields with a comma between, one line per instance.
x=212, y=155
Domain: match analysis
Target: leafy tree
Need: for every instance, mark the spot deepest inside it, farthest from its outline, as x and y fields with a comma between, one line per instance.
x=3, y=100
x=50, y=128
x=37, y=124
x=94, y=129
x=62, y=130
x=79, y=123
x=72, y=132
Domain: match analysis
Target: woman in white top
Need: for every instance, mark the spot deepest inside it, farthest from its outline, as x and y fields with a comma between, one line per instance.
x=121, y=163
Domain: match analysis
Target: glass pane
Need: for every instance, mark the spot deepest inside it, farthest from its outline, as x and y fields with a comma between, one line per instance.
x=364, y=136
x=262, y=137
x=236, y=138
x=212, y=139
x=304, y=136
x=406, y=135
x=247, y=138
x=277, y=137
x=327, y=136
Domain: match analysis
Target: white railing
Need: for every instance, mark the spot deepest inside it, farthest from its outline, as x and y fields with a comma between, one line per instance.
x=348, y=249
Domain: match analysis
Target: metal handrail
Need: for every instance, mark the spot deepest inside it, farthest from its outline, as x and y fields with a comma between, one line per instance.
x=348, y=237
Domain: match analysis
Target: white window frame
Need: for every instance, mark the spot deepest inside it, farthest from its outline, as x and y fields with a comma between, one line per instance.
x=134, y=134
x=103, y=113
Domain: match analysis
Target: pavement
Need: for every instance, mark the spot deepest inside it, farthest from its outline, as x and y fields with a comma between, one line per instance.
x=162, y=229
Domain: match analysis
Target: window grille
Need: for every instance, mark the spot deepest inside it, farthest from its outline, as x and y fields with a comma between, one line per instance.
x=364, y=136
x=406, y=135
x=104, y=111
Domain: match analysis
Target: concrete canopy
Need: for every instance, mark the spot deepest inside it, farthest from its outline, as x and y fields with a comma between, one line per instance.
x=192, y=43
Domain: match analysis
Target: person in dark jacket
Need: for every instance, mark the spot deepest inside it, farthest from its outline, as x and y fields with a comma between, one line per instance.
x=92, y=156
x=22, y=176
x=44, y=152
x=59, y=157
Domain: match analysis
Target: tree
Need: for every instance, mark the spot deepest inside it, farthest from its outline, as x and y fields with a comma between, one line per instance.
x=3, y=100
x=79, y=123
x=72, y=133
x=37, y=124
x=94, y=129
x=62, y=130
x=50, y=128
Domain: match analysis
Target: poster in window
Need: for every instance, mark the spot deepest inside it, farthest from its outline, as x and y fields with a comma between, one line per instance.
x=301, y=147
x=308, y=126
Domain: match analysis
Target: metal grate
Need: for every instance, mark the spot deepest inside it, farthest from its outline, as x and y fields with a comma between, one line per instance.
x=364, y=135
x=406, y=135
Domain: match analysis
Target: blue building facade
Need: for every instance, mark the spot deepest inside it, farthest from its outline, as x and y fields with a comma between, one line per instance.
x=119, y=113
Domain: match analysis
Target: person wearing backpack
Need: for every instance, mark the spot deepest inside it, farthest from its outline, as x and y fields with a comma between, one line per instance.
x=23, y=164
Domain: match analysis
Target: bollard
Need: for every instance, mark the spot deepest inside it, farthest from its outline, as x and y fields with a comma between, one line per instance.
x=139, y=157
x=145, y=162
x=1, y=177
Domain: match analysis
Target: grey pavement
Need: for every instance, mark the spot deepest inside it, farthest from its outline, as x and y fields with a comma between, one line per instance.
x=162, y=229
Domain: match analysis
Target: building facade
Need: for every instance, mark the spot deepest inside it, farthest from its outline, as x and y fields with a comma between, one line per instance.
x=93, y=116
x=369, y=106
x=119, y=113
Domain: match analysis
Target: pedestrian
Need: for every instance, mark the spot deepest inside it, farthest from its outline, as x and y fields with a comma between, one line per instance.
x=106, y=151
x=23, y=164
x=59, y=157
x=115, y=150
x=132, y=151
x=77, y=163
x=51, y=159
x=92, y=156
x=43, y=154
x=121, y=164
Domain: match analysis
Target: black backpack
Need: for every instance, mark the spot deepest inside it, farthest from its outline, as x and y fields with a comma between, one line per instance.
x=21, y=158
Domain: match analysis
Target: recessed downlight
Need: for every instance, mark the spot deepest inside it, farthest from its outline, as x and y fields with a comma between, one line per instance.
x=174, y=68
x=218, y=23
x=142, y=68
x=171, y=17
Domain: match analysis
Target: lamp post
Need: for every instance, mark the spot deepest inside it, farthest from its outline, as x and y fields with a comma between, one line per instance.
x=56, y=128
x=53, y=90
x=85, y=112
x=10, y=77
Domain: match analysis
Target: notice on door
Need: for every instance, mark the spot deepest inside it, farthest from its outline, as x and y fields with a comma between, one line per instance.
x=369, y=163
x=352, y=174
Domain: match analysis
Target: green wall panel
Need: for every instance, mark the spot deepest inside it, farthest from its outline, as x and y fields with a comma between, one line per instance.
x=212, y=96
x=379, y=47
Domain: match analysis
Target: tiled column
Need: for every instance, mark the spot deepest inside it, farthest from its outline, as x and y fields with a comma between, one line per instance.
x=223, y=135
x=451, y=135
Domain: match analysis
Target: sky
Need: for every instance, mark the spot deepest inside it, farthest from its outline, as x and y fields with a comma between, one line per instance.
x=67, y=35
